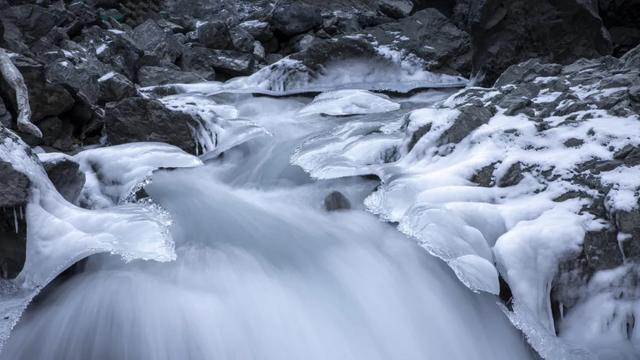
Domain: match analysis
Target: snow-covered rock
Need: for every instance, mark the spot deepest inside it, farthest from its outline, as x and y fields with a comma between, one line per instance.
x=518, y=181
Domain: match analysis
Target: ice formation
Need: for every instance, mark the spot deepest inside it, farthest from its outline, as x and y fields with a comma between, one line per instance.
x=114, y=173
x=61, y=234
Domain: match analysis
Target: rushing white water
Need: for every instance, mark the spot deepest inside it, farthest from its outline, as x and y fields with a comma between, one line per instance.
x=263, y=272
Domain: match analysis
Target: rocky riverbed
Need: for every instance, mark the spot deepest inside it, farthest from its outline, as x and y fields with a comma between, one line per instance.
x=521, y=174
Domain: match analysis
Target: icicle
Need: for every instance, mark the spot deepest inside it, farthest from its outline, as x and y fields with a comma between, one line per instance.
x=15, y=219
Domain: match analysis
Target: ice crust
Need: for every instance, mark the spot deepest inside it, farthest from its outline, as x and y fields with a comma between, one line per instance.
x=220, y=129
x=113, y=173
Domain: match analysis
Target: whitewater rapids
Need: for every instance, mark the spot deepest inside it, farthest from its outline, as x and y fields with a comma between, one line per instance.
x=264, y=272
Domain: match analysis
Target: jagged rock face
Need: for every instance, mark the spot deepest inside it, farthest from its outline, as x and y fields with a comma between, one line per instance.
x=139, y=119
x=506, y=33
x=621, y=19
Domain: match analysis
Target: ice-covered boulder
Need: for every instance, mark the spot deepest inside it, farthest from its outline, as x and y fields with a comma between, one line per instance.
x=349, y=102
x=60, y=234
x=138, y=119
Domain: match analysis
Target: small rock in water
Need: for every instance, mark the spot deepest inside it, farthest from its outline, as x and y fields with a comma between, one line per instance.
x=336, y=201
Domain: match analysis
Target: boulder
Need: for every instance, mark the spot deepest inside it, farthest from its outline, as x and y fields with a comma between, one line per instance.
x=395, y=8
x=80, y=77
x=155, y=75
x=139, y=119
x=214, y=35
x=205, y=61
x=14, y=195
x=152, y=39
x=241, y=39
x=291, y=18
x=65, y=174
x=32, y=21
x=46, y=99
x=336, y=201
x=115, y=87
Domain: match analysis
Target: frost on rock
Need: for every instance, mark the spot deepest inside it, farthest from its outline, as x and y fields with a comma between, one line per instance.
x=518, y=181
x=60, y=234
x=349, y=102
x=114, y=173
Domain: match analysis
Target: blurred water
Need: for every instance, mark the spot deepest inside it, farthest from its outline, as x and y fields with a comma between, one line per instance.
x=263, y=272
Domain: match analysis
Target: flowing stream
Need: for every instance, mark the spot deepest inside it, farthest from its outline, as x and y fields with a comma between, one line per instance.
x=264, y=272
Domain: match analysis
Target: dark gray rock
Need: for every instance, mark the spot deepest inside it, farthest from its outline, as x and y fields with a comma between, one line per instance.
x=470, y=118
x=291, y=18
x=336, y=201
x=58, y=134
x=79, y=77
x=155, y=41
x=621, y=18
x=395, y=8
x=631, y=59
x=513, y=176
x=506, y=33
x=214, y=34
x=66, y=176
x=6, y=118
x=432, y=37
x=232, y=63
x=33, y=21
x=260, y=30
x=241, y=39
x=484, y=177
x=115, y=87
x=139, y=119
x=155, y=75
x=45, y=99
x=116, y=49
